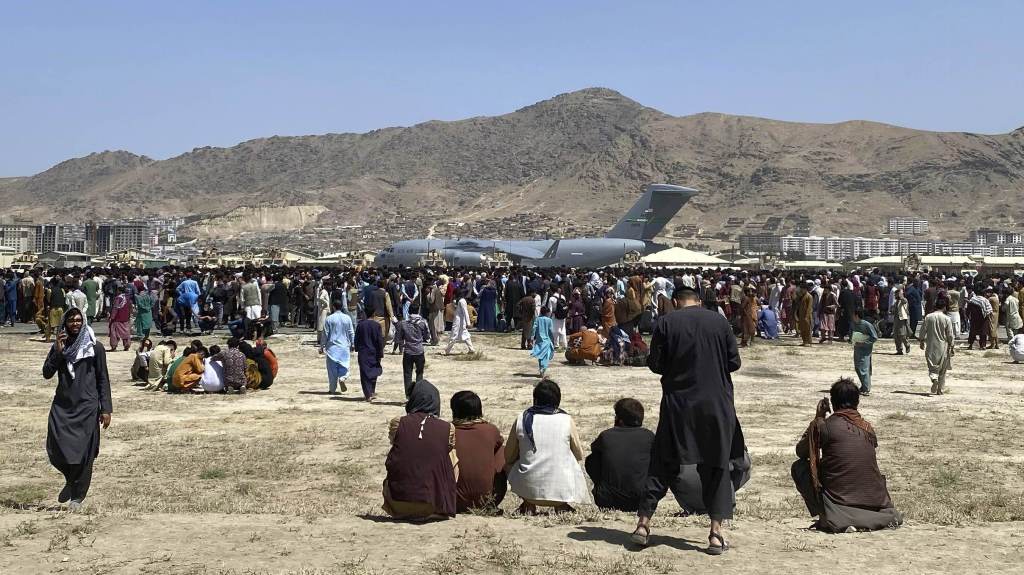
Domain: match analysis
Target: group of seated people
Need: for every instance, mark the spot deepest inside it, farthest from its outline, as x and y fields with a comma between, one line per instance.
x=437, y=469
x=239, y=367
x=619, y=348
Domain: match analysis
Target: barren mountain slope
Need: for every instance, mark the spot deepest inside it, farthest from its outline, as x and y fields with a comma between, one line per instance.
x=584, y=154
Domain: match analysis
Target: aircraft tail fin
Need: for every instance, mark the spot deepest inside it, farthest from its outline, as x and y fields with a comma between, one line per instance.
x=652, y=212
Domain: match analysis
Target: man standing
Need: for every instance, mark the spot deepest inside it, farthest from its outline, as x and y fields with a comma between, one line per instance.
x=978, y=309
x=251, y=302
x=435, y=302
x=92, y=294
x=993, y=318
x=26, y=305
x=901, y=322
x=863, y=337
x=937, y=338
x=527, y=313
x=339, y=336
x=188, y=302
x=694, y=351
x=378, y=308
x=804, y=309
x=409, y=336
x=1012, y=317
x=369, y=347
x=914, y=298
x=11, y=297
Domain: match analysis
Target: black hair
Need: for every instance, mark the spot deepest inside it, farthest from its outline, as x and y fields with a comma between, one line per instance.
x=544, y=310
x=232, y=342
x=171, y=343
x=685, y=293
x=336, y=304
x=845, y=394
x=629, y=412
x=466, y=405
x=547, y=394
x=214, y=349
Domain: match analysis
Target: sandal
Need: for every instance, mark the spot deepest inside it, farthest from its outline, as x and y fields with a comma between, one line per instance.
x=717, y=549
x=641, y=539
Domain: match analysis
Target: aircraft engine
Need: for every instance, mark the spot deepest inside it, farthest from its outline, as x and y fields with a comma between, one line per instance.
x=461, y=258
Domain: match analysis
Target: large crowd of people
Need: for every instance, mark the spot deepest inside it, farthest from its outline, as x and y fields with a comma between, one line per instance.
x=685, y=325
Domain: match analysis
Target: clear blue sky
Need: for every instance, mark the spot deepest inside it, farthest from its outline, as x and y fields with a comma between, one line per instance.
x=160, y=78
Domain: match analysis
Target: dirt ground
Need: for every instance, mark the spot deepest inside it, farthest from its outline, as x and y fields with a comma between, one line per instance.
x=288, y=480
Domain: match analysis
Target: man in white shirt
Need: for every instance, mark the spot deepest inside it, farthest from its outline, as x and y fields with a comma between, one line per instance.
x=213, y=373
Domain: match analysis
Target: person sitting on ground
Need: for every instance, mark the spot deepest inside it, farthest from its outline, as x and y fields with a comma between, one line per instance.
x=160, y=360
x=236, y=327
x=168, y=380
x=616, y=348
x=837, y=473
x=213, y=373
x=1016, y=346
x=638, y=350
x=619, y=459
x=767, y=323
x=233, y=361
x=482, y=482
x=261, y=372
x=189, y=372
x=207, y=320
x=260, y=327
x=422, y=465
x=140, y=368
x=542, y=455
x=584, y=346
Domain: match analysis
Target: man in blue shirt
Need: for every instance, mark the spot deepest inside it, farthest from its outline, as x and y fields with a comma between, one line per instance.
x=188, y=301
x=339, y=337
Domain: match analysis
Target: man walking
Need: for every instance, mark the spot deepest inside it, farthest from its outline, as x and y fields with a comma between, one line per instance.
x=937, y=336
x=863, y=336
x=339, y=336
x=410, y=336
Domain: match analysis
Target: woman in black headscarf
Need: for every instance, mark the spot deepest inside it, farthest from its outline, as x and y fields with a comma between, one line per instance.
x=421, y=465
x=81, y=404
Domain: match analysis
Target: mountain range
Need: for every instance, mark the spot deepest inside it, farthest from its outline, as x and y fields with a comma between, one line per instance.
x=583, y=155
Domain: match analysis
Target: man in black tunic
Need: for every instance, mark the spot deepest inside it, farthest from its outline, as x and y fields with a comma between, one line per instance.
x=81, y=403
x=694, y=351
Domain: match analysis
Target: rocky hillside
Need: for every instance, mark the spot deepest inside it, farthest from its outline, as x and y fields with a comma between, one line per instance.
x=584, y=155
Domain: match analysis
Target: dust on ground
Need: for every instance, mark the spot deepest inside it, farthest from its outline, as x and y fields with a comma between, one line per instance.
x=288, y=480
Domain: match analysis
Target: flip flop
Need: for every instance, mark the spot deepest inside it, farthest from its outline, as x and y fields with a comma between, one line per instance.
x=641, y=539
x=717, y=549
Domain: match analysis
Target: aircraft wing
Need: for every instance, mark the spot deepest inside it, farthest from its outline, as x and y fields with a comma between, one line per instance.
x=517, y=249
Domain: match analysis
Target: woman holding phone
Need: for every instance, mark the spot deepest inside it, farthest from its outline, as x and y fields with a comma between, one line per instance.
x=81, y=404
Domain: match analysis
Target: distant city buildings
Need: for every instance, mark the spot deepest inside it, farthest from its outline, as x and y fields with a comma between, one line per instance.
x=906, y=226
x=17, y=235
x=760, y=244
x=112, y=237
x=995, y=237
x=845, y=249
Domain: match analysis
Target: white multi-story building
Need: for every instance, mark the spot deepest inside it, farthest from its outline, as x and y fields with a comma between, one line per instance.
x=845, y=249
x=838, y=248
x=18, y=236
x=904, y=226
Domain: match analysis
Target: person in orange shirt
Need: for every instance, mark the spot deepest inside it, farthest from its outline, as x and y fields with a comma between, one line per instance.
x=584, y=345
x=190, y=372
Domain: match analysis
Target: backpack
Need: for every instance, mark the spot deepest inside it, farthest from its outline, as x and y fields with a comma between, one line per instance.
x=561, y=309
